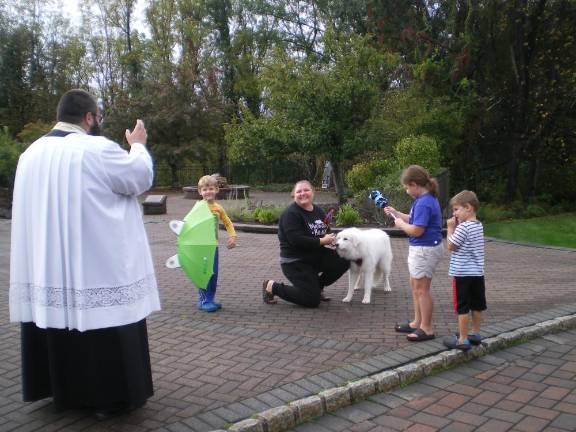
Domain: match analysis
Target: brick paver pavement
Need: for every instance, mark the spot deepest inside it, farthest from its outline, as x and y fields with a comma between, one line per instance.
x=528, y=388
x=213, y=369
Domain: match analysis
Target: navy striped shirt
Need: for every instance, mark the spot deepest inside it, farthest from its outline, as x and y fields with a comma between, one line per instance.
x=468, y=259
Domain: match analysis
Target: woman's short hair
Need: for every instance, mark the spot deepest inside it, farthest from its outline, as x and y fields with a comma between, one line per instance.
x=74, y=105
x=301, y=181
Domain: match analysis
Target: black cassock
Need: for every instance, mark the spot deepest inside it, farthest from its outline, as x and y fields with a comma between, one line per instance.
x=103, y=369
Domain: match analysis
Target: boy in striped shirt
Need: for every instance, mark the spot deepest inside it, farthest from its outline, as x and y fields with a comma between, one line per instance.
x=466, y=242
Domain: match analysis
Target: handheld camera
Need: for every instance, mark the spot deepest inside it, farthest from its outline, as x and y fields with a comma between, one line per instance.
x=380, y=200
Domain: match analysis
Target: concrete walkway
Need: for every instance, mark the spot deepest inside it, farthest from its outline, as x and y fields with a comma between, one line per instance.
x=529, y=387
x=213, y=370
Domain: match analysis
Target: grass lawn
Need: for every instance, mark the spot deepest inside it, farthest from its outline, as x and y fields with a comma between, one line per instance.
x=558, y=230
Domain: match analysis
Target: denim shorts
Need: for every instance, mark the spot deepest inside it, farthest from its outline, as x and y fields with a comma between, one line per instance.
x=423, y=260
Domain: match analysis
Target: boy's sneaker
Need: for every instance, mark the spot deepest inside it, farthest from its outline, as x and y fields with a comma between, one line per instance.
x=208, y=307
x=474, y=338
x=453, y=342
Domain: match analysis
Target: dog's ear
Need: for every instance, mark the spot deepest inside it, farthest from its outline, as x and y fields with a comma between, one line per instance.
x=355, y=240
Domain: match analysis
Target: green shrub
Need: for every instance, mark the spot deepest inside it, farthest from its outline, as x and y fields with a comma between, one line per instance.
x=256, y=213
x=363, y=175
x=391, y=188
x=418, y=150
x=347, y=216
x=517, y=207
x=543, y=199
x=266, y=215
x=274, y=187
x=534, y=210
x=251, y=212
x=562, y=207
x=395, y=192
x=10, y=151
x=384, y=174
x=239, y=214
x=492, y=212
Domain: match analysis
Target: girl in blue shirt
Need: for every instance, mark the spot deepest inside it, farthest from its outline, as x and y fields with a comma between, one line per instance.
x=424, y=228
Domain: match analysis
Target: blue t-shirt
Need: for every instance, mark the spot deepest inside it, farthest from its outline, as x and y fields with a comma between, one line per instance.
x=425, y=212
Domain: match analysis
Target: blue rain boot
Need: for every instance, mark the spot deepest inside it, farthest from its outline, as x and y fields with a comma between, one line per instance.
x=212, y=284
x=204, y=303
x=209, y=307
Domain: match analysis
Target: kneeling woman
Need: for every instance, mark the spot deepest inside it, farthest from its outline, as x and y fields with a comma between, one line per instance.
x=305, y=261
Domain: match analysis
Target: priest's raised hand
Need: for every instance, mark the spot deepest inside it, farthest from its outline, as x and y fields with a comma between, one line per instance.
x=138, y=134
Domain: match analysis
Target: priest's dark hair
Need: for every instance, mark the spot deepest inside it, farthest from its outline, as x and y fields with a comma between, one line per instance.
x=74, y=104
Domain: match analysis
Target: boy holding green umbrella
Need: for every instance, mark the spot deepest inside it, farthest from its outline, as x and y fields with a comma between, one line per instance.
x=208, y=188
x=197, y=243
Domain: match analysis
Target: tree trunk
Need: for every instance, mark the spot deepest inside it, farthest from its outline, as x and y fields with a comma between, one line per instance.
x=133, y=64
x=532, y=179
x=173, y=165
x=524, y=31
x=339, y=182
x=513, y=164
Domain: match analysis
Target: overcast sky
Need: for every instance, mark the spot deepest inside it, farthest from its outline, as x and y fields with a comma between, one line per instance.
x=72, y=11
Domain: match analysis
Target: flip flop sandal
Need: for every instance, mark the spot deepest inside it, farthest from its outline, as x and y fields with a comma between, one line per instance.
x=404, y=328
x=266, y=296
x=421, y=336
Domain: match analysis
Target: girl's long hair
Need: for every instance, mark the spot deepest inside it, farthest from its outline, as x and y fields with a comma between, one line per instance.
x=417, y=174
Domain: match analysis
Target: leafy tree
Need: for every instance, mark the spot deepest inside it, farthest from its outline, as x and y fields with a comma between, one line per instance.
x=522, y=68
x=40, y=58
x=261, y=81
x=14, y=90
x=322, y=102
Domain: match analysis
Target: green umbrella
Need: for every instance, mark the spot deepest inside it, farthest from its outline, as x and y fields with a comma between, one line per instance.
x=197, y=243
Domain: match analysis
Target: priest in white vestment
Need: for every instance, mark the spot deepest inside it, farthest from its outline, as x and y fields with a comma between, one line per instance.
x=81, y=274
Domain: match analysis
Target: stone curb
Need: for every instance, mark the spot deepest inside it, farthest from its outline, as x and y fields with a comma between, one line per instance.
x=285, y=417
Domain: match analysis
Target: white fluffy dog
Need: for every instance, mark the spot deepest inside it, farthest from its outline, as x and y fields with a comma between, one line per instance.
x=370, y=256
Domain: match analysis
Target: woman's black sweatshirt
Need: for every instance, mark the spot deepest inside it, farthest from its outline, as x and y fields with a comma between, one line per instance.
x=299, y=232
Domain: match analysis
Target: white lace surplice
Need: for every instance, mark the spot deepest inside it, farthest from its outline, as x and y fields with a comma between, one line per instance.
x=80, y=257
